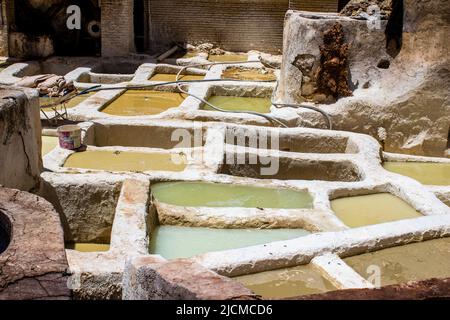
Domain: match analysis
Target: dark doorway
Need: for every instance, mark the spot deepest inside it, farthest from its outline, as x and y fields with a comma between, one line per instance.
x=51, y=20
x=140, y=26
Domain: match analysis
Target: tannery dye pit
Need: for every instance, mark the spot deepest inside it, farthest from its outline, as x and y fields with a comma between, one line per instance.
x=249, y=74
x=287, y=283
x=48, y=144
x=371, y=209
x=227, y=57
x=182, y=242
x=88, y=247
x=301, y=154
x=140, y=102
x=124, y=161
x=192, y=194
x=261, y=105
x=167, y=77
x=412, y=262
x=426, y=173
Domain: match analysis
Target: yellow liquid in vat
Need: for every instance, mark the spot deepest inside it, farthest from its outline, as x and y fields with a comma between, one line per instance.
x=372, y=209
x=168, y=77
x=426, y=173
x=69, y=105
x=88, y=247
x=261, y=105
x=143, y=102
x=287, y=283
x=228, y=57
x=48, y=144
x=412, y=262
x=124, y=161
x=248, y=74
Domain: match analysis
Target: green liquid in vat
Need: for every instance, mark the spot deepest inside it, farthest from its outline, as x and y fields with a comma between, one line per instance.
x=261, y=105
x=174, y=242
x=198, y=194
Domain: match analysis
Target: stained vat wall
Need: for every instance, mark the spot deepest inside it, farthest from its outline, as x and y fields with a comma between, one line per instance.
x=20, y=139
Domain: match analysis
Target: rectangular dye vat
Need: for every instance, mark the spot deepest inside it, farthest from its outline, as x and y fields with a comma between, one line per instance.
x=230, y=103
x=101, y=78
x=170, y=77
x=228, y=57
x=249, y=74
x=143, y=102
x=125, y=161
x=372, y=209
x=412, y=262
x=87, y=209
x=200, y=194
x=43, y=101
x=88, y=247
x=117, y=67
x=287, y=283
x=149, y=136
x=289, y=141
x=48, y=144
x=292, y=169
x=60, y=68
x=425, y=173
x=174, y=242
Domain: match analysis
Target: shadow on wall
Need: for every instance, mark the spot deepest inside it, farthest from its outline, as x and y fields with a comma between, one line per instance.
x=394, y=29
x=5, y=232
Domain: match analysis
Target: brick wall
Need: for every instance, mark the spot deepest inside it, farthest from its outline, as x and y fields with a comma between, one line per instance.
x=235, y=25
x=314, y=5
x=117, y=27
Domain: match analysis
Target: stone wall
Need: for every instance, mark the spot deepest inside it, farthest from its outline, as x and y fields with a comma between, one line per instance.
x=314, y=5
x=20, y=139
x=4, y=51
x=117, y=27
x=400, y=98
x=34, y=264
